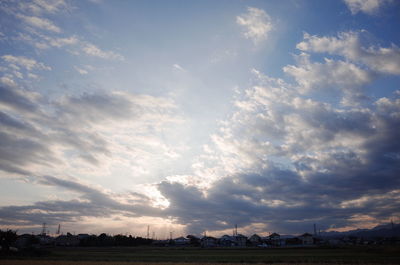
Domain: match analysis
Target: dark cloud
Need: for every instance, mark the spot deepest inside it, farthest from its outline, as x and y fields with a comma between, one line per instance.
x=281, y=200
x=16, y=153
x=337, y=166
x=16, y=99
x=91, y=108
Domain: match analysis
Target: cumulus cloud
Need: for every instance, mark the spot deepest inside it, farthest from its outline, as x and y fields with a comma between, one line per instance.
x=293, y=161
x=330, y=73
x=257, y=24
x=349, y=45
x=346, y=77
x=366, y=6
x=287, y=159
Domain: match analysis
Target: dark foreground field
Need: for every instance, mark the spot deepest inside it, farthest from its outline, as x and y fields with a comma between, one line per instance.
x=147, y=255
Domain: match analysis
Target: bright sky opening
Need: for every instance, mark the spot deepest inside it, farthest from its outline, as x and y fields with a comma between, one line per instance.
x=194, y=116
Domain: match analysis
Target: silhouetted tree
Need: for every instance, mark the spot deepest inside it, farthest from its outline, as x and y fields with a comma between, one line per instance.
x=7, y=238
x=117, y=240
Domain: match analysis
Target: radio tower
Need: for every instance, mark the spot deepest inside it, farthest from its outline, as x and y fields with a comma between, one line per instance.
x=59, y=229
x=44, y=229
x=148, y=232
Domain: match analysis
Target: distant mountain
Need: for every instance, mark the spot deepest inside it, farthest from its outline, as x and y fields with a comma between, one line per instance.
x=385, y=230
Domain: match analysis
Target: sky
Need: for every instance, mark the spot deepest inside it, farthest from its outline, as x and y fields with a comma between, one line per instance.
x=196, y=116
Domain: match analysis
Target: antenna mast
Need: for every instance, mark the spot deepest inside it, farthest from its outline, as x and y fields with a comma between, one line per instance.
x=44, y=229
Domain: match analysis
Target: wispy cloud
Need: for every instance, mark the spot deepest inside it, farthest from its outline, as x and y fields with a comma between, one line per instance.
x=42, y=32
x=28, y=63
x=90, y=202
x=93, y=50
x=8, y=81
x=53, y=132
x=178, y=67
x=40, y=23
x=43, y=6
x=81, y=70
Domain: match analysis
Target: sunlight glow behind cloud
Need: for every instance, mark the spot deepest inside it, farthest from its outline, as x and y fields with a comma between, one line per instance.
x=192, y=121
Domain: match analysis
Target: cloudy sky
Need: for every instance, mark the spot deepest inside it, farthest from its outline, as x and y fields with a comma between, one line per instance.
x=193, y=116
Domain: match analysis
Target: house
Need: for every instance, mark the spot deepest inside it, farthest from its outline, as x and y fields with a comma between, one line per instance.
x=293, y=241
x=307, y=239
x=227, y=241
x=255, y=240
x=208, y=241
x=67, y=240
x=181, y=241
x=83, y=236
x=241, y=240
x=45, y=240
x=161, y=243
x=275, y=239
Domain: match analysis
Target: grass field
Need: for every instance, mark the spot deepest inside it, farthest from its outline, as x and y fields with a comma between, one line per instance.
x=143, y=255
x=60, y=262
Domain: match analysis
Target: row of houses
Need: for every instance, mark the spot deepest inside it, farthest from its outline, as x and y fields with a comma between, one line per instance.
x=273, y=240
x=239, y=240
x=26, y=240
x=84, y=240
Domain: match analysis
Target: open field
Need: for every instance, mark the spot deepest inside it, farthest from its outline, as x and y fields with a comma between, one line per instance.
x=148, y=255
x=60, y=262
